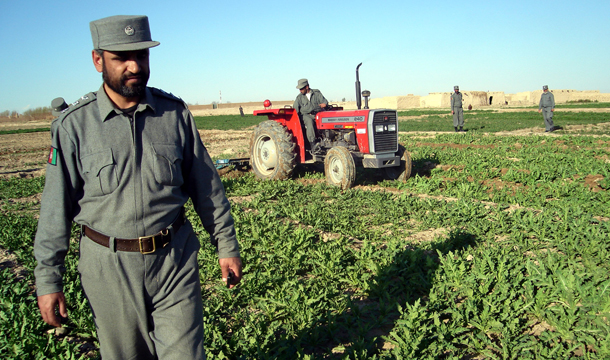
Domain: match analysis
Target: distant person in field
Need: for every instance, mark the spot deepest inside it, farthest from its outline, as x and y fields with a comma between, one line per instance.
x=457, y=110
x=547, y=107
x=307, y=104
x=123, y=163
x=241, y=111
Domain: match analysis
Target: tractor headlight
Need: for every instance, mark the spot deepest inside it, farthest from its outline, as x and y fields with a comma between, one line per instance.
x=378, y=128
x=392, y=127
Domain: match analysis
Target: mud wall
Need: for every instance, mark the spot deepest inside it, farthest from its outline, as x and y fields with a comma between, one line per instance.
x=433, y=100
x=497, y=98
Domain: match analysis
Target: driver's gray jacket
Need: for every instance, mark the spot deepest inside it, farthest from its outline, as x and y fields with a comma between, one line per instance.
x=126, y=177
x=304, y=106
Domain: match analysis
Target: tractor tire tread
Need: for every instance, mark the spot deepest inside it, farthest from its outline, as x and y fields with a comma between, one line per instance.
x=285, y=147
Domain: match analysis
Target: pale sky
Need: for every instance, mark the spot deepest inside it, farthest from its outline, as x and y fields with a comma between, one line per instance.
x=257, y=50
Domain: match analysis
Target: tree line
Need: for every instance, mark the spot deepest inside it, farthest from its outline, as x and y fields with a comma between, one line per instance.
x=34, y=114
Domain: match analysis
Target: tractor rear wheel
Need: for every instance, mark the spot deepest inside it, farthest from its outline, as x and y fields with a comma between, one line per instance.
x=340, y=168
x=402, y=172
x=272, y=151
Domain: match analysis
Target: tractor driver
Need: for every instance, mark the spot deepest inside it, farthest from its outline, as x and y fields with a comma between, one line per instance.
x=307, y=104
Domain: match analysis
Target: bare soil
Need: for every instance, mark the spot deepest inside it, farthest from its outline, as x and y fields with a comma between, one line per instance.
x=25, y=155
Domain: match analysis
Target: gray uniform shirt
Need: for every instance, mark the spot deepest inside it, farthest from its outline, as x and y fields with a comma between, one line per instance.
x=547, y=100
x=456, y=100
x=305, y=106
x=126, y=177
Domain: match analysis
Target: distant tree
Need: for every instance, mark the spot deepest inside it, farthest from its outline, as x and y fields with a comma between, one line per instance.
x=343, y=99
x=39, y=112
x=14, y=114
x=5, y=113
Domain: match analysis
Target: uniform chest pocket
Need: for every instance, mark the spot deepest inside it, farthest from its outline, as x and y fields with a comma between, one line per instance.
x=99, y=172
x=168, y=164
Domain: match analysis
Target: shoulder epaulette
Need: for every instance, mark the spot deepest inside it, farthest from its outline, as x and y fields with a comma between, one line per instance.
x=84, y=100
x=167, y=95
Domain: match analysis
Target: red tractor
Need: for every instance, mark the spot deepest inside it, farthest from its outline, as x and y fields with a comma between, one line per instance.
x=349, y=139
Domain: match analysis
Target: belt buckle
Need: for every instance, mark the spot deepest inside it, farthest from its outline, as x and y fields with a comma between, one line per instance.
x=154, y=244
x=163, y=232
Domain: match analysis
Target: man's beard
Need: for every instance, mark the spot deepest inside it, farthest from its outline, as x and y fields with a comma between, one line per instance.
x=118, y=85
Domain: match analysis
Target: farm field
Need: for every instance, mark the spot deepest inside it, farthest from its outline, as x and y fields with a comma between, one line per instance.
x=497, y=247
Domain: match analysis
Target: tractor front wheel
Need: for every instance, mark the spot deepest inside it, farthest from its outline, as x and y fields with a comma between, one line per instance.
x=272, y=151
x=402, y=172
x=339, y=168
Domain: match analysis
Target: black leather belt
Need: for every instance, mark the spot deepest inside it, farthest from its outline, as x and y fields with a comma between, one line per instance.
x=144, y=244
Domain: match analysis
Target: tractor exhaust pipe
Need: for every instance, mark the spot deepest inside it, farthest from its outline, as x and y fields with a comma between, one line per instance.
x=358, y=98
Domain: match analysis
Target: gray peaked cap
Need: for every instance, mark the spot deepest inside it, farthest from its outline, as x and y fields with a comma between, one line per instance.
x=302, y=83
x=545, y=87
x=456, y=87
x=121, y=33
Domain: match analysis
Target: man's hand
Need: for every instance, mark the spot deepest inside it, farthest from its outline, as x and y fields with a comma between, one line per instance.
x=451, y=112
x=322, y=105
x=48, y=305
x=539, y=110
x=552, y=110
x=232, y=265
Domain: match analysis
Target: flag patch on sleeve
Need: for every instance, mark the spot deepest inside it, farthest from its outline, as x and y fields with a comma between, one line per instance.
x=52, y=156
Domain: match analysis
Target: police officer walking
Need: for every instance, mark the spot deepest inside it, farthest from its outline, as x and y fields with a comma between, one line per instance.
x=457, y=110
x=124, y=161
x=307, y=104
x=547, y=107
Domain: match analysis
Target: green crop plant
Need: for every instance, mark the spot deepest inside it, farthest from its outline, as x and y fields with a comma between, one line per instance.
x=227, y=122
x=491, y=122
x=497, y=247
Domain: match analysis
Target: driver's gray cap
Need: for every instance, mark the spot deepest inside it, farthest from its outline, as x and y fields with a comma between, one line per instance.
x=456, y=87
x=302, y=83
x=121, y=33
x=545, y=87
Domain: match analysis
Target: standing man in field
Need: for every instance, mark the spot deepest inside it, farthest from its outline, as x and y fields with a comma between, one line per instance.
x=456, y=109
x=547, y=107
x=123, y=163
x=307, y=104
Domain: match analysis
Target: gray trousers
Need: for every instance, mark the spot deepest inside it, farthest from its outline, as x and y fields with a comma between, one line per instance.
x=145, y=306
x=458, y=117
x=310, y=127
x=547, y=114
